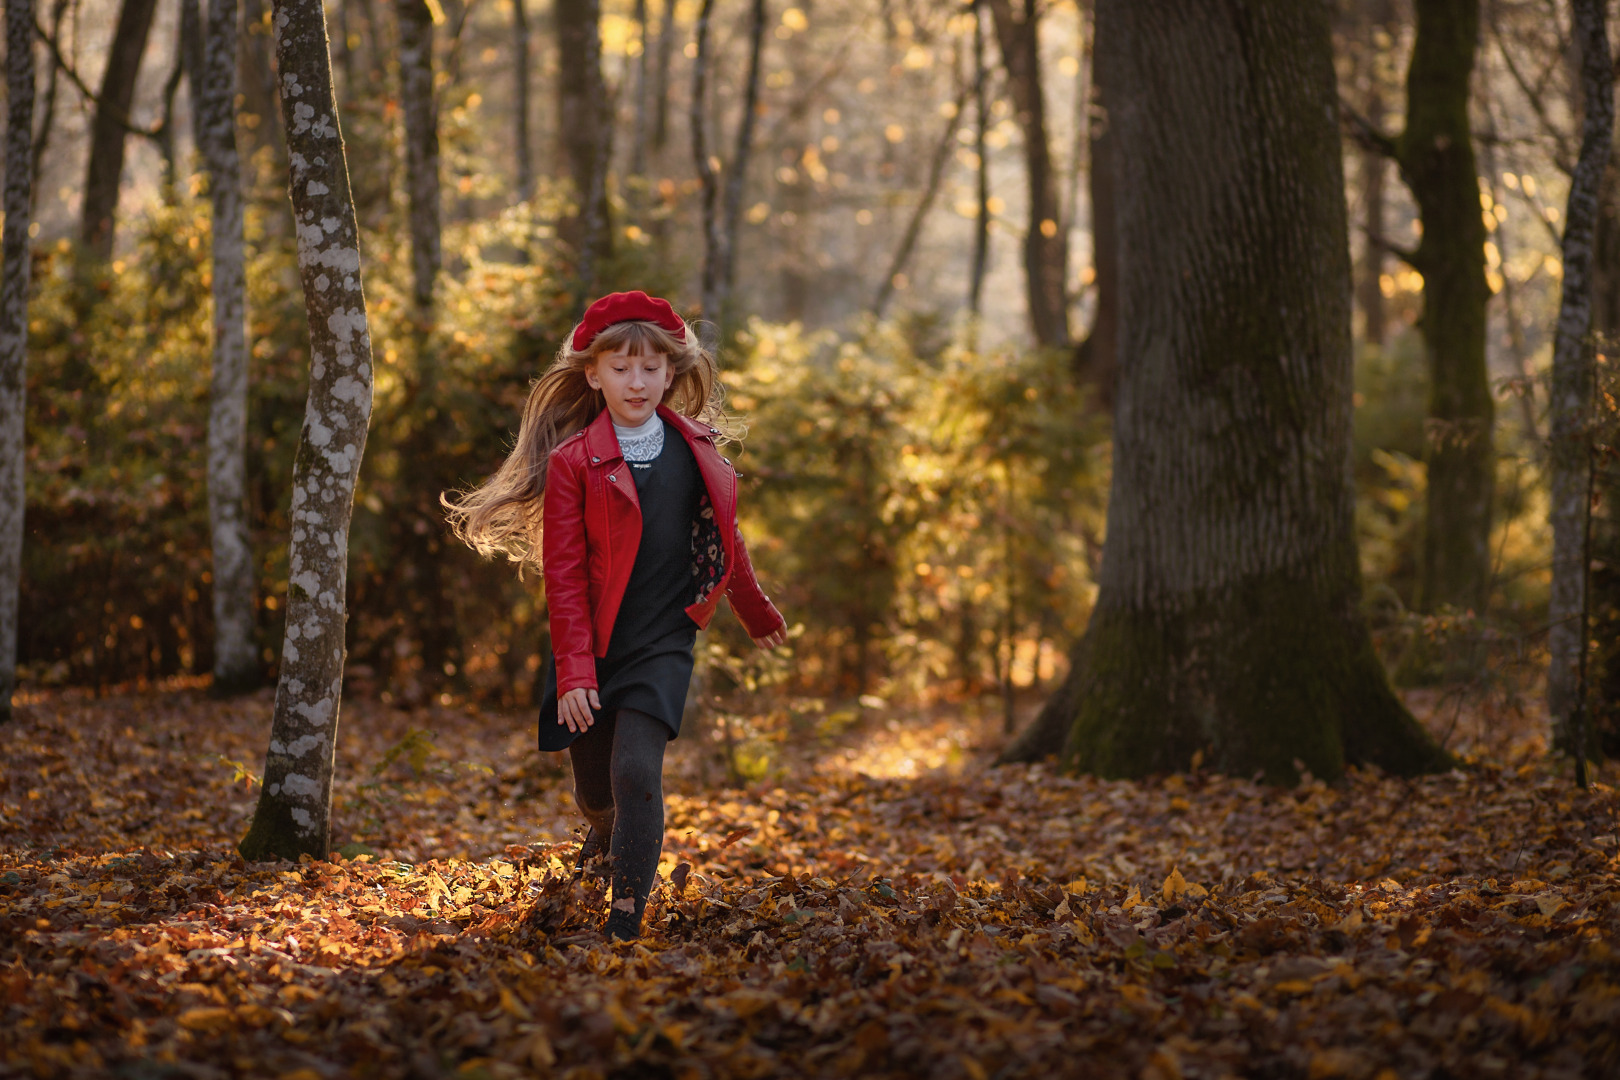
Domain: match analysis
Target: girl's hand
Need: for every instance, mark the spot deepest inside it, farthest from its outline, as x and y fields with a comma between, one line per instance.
x=773, y=639
x=574, y=709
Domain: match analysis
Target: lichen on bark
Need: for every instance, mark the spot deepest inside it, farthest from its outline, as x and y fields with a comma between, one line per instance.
x=293, y=815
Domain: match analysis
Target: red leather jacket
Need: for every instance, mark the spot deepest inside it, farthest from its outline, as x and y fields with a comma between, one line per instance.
x=592, y=528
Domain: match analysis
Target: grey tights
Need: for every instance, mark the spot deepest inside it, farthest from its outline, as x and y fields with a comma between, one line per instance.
x=618, y=785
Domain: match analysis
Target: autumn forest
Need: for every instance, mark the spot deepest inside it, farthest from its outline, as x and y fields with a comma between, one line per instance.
x=1182, y=441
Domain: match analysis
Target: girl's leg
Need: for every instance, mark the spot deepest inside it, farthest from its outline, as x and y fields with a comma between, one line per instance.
x=638, y=824
x=592, y=757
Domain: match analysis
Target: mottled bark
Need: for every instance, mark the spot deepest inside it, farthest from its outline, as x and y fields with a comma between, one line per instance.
x=294, y=811
x=1046, y=241
x=421, y=146
x=14, y=264
x=108, y=127
x=1097, y=358
x=521, y=46
x=1227, y=619
x=1570, y=450
x=1436, y=157
x=585, y=127
x=236, y=661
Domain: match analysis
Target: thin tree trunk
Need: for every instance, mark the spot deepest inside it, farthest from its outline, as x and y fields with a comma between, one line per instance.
x=584, y=124
x=1046, y=242
x=261, y=120
x=108, y=127
x=1374, y=166
x=1096, y=359
x=1571, y=398
x=936, y=174
x=18, y=200
x=294, y=811
x=708, y=176
x=520, y=99
x=47, y=118
x=737, y=178
x=981, y=116
x=236, y=661
x=638, y=143
x=421, y=147
x=1436, y=156
x=1228, y=616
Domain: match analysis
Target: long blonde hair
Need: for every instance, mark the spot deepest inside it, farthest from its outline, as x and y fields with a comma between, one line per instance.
x=502, y=516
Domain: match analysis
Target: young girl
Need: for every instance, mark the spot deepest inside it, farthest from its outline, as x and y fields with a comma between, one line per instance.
x=616, y=489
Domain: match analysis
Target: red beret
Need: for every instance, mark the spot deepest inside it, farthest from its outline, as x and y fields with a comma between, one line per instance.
x=624, y=307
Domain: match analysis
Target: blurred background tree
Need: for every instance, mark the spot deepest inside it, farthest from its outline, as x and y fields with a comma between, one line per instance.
x=929, y=487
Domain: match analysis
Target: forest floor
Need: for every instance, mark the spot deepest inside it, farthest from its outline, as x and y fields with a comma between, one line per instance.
x=878, y=902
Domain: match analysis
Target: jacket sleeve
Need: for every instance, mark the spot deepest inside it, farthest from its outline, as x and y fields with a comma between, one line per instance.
x=758, y=615
x=563, y=555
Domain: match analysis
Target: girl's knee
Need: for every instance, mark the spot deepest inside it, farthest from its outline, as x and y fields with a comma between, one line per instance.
x=638, y=780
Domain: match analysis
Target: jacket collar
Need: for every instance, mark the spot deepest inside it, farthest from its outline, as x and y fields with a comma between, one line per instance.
x=603, y=445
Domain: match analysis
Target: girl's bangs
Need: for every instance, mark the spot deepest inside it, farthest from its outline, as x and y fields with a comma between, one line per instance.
x=637, y=338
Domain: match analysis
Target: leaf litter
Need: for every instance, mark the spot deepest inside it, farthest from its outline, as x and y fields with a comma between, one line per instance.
x=962, y=922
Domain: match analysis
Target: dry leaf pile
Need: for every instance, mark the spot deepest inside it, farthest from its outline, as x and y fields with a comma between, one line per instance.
x=997, y=923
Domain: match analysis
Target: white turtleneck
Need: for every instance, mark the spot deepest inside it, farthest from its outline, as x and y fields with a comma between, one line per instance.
x=643, y=442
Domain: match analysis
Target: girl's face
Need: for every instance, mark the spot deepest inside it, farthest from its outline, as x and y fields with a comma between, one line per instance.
x=632, y=385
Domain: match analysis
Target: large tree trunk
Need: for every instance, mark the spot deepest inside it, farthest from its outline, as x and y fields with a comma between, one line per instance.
x=421, y=146
x=236, y=660
x=14, y=265
x=1570, y=449
x=1227, y=620
x=1436, y=156
x=294, y=811
x=585, y=126
x=520, y=99
x=108, y=127
x=1046, y=243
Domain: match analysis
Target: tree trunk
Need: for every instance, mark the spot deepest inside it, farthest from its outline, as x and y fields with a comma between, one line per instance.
x=737, y=178
x=1604, y=557
x=1571, y=396
x=107, y=127
x=981, y=150
x=1046, y=243
x=261, y=121
x=1436, y=156
x=919, y=214
x=18, y=199
x=236, y=661
x=294, y=811
x=1096, y=360
x=47, y=117
x=1374, y=167
x=421, y=146
x=1228, y=617
x=585, y=126
x=520, y=99
x=708, y=172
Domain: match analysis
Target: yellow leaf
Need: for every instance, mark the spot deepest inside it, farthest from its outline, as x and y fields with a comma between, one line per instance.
x=1550, y=904
x=1174, y=885
x=207, y=1018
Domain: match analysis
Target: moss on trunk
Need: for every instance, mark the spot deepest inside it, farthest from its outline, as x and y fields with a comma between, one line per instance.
x=275, y=835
